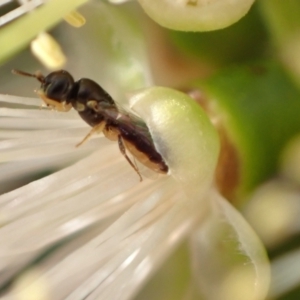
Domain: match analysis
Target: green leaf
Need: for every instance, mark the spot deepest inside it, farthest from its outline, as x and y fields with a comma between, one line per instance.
x=282, y=18
x=221, y=46
x=259, y=106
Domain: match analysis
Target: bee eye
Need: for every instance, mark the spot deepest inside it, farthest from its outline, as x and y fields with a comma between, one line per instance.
x=58, y=89
x=58, y=85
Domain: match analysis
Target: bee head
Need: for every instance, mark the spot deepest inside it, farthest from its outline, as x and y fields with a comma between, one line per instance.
x=55, y=88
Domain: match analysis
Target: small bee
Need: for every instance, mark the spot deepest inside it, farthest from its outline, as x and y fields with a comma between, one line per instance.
x=97, y=108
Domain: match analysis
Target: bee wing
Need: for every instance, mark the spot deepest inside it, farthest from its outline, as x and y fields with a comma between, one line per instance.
x=118, y=114
x=132, y=121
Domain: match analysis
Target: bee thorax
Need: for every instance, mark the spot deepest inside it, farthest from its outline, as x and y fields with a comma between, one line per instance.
x=79, y=106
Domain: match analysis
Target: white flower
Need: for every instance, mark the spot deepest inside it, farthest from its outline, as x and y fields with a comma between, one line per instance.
x=110, y=232
x=196, y=15
x=90, y=229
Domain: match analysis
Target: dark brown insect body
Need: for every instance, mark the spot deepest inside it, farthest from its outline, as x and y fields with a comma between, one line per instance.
x=96, y=107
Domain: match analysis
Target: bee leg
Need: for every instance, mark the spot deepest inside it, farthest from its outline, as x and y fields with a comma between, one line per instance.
x=134, y=162
x=96, y=129
x=123, y=151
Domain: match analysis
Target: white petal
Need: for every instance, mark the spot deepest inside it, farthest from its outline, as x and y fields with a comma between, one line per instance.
x=229, y=260
x=138, y=224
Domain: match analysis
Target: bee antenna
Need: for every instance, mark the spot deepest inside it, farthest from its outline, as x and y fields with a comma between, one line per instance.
x=38, y=75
